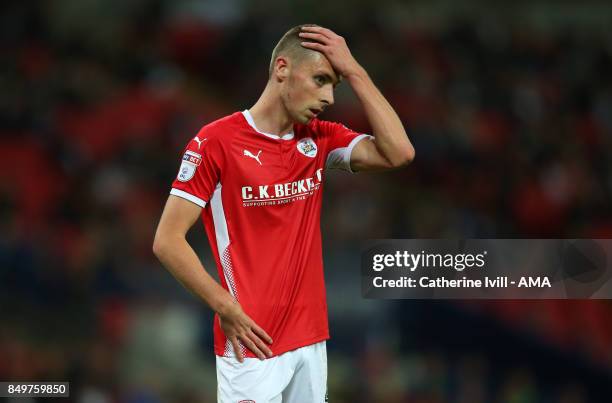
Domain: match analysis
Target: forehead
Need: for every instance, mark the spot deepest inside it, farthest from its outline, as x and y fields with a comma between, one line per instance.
x=317, y=63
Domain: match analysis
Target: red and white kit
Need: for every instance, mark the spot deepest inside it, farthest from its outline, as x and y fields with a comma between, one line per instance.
x=261, y=196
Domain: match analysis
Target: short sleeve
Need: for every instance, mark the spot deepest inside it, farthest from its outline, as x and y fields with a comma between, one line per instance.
x=199, y=172
x=341, y=140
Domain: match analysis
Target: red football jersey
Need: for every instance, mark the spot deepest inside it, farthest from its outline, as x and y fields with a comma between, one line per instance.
x=261, y=196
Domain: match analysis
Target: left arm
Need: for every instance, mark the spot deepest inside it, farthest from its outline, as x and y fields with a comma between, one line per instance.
x=391, y=147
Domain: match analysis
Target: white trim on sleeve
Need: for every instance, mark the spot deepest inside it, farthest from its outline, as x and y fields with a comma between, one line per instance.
x=188, y=196
x=340, y=158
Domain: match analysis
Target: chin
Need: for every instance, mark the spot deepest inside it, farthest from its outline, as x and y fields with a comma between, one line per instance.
x=302, y=119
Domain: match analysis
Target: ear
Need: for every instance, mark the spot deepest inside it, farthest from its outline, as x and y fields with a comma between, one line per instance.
x=281, y=68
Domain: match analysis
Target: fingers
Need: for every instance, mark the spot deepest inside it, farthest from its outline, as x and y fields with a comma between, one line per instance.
x=253, y=343
x=317, y=37
x=260, y=344
x=320, y=30
x=253, y=339
x=246, y=340
x=314, y=46
x=243, y=329
x=237, y=350
x=261, y=333
x=260, y=349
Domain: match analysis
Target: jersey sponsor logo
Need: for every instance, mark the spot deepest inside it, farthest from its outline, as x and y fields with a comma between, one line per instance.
x=197, y=140
x=246, y=401
x=249, y=154
x=191, y=161
x=281, y=193
x=307, y=147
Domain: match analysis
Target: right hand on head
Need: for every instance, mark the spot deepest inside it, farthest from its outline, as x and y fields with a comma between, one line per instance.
x=237, y=326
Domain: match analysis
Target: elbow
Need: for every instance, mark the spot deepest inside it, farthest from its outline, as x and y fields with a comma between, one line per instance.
x=158, y=246
x=165, y=244
x=404, y=157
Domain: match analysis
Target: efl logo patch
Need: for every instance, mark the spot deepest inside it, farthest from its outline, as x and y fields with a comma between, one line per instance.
x=191, y=161
x=192, y=157
x=307, y=147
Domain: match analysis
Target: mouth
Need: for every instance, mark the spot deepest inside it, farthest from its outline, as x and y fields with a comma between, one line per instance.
x=315, y=111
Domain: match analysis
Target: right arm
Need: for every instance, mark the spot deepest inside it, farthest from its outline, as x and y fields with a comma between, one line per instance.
x=174, y=252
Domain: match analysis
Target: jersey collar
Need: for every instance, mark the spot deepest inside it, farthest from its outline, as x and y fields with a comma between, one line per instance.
x=251, y=122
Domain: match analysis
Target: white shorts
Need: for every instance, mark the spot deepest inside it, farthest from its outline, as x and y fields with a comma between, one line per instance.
x=297, y=376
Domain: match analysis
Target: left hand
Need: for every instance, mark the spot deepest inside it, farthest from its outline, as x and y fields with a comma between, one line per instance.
x=333, y=46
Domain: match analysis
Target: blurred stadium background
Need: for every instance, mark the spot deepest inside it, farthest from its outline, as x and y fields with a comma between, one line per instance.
x=510, y=109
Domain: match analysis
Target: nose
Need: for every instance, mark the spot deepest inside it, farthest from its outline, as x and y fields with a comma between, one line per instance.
x=328, y=95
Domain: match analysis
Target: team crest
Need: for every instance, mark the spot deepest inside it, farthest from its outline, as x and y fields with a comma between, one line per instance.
x=307, y=147
x=191, y=161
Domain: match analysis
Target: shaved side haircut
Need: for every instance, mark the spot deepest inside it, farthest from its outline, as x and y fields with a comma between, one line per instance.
x=290, y=46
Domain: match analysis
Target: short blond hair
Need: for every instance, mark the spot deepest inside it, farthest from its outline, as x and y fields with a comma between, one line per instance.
x=290, y=45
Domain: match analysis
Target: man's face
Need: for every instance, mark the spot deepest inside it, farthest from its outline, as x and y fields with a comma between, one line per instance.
x=309, y=87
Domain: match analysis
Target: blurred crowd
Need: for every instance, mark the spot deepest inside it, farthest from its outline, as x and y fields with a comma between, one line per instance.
x=512, y=126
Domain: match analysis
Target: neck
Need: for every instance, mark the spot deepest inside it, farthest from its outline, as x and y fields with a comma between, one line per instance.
x=269, y=113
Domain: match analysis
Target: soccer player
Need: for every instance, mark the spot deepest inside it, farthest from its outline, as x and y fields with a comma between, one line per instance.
x=256, y=178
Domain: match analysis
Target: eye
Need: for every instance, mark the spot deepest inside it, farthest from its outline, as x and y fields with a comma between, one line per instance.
x=319, y=80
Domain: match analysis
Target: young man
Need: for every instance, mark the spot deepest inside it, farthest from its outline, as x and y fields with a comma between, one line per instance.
x=256, y=179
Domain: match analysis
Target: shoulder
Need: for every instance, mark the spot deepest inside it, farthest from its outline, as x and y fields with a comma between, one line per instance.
x=212, y=139
x=221, y=129
x=319, y=129
x=216, y=135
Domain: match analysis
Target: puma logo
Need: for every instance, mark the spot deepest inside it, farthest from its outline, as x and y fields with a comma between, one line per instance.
x=251, y=155
x=197, y=140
